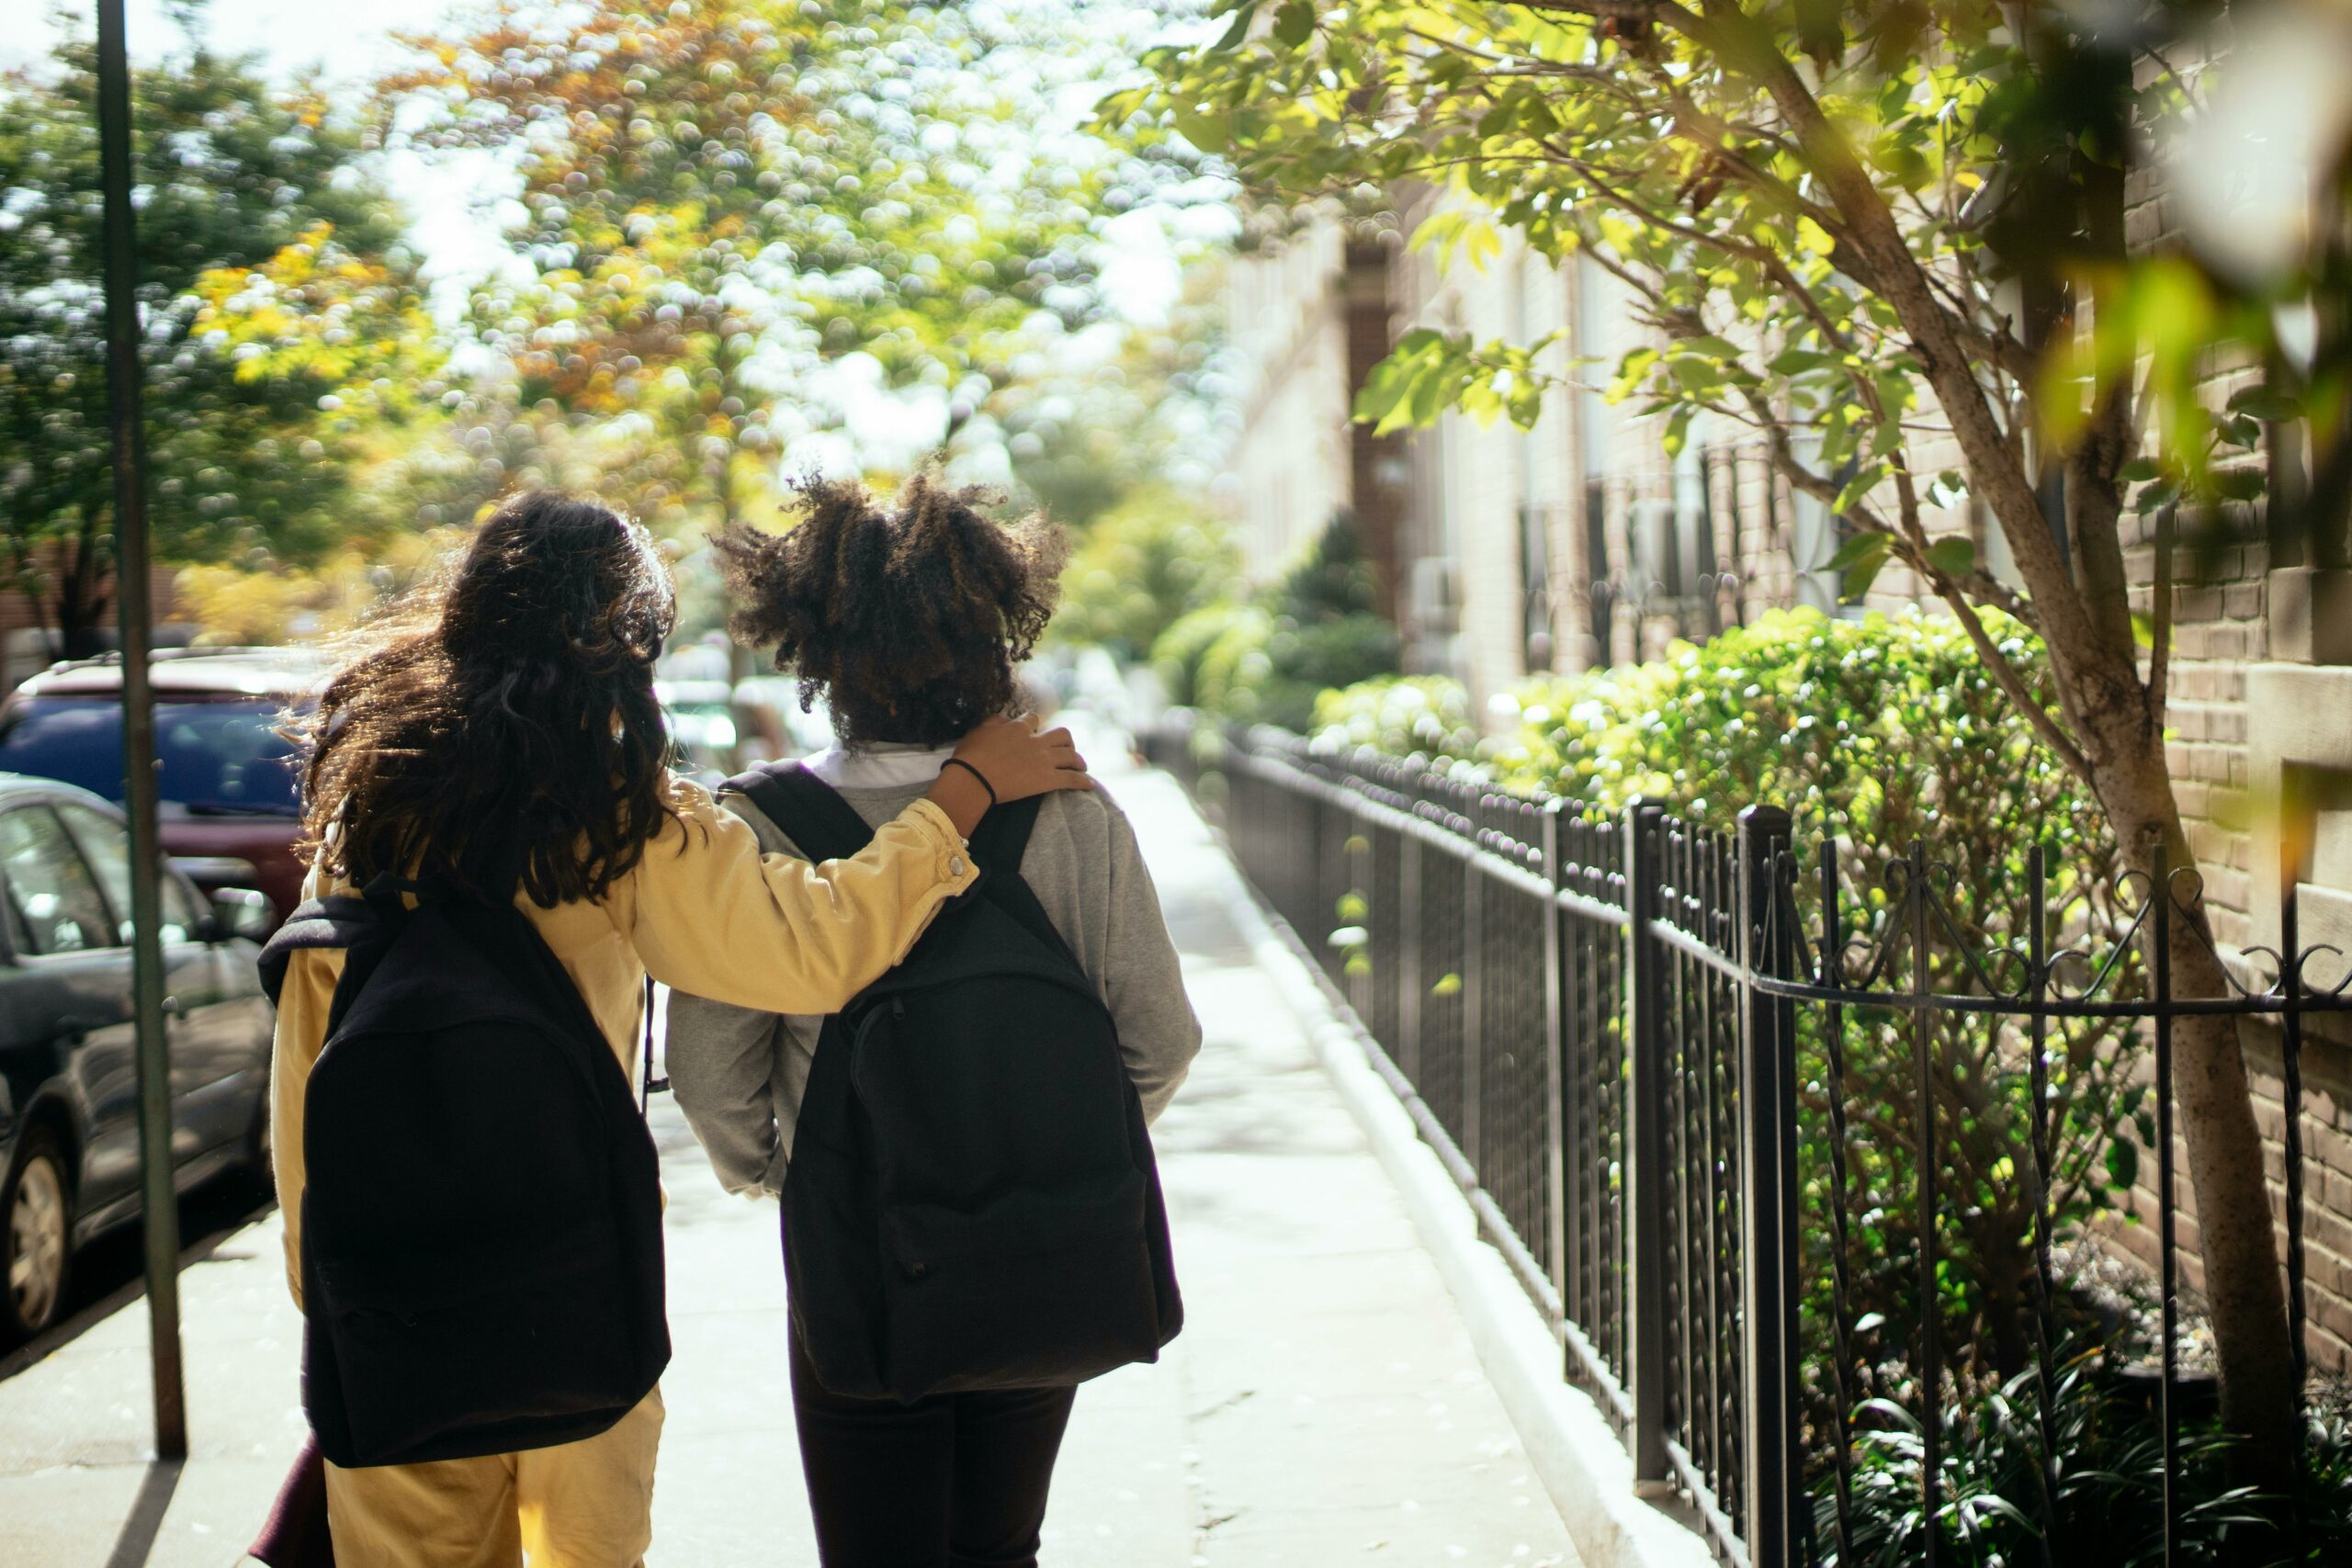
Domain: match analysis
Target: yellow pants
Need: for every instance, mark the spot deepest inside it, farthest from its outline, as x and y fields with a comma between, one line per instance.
x=583, y=1505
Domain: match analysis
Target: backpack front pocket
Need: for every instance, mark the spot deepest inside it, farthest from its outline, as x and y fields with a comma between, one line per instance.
x=545, y=1337
x=1037, y=1289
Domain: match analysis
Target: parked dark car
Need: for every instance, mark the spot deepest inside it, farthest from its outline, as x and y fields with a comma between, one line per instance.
x=69, y=1095
x=229, y=784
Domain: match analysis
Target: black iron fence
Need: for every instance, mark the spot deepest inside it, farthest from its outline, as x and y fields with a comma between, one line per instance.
x=1680, y=1073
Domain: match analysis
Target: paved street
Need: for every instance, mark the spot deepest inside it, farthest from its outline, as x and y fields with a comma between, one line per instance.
x=1321, y=1407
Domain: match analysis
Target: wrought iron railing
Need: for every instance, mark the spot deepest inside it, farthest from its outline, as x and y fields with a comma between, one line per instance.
x=1595, y=1019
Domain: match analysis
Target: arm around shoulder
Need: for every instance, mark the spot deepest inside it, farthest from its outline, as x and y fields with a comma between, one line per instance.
x=722, y=1062
x=711, y=915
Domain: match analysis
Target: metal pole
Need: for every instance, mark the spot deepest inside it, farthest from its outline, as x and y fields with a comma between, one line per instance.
x=1473, y=1000
x=159, y=1199
x=1555, y=1073
x=1768, y=1109
x=1646, y=1189
x=1931, y=1313
x=2167, y=1241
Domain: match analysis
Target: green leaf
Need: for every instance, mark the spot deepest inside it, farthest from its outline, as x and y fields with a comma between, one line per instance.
x=1857, y=488
x=1709, y=344
x=2239, y=430
x=1797, y=361
x=1953, y=556
x=2122, y=1163
x=1295, y=23
x=1243, y=14
x=2263, y=403
x=1211, y=133
x=1678, y=431
x=2239, y=484
x=1859, y=546
x=1859, y=561
x=1459, y=229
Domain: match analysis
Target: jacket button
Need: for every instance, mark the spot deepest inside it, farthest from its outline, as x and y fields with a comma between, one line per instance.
x=956, y=865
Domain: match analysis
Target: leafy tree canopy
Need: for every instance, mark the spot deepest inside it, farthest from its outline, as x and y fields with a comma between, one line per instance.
x=279, y=315
x=722, y=195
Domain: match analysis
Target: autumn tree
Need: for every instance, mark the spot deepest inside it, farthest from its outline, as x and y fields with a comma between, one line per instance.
x=723, y=196
x=281, y=322
x=1888, y=238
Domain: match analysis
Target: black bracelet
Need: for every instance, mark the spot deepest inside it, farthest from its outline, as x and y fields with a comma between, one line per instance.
x=960, y=762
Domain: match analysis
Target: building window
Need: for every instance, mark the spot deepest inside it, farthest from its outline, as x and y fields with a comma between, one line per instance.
x=1600, y=592
x=1535, y=588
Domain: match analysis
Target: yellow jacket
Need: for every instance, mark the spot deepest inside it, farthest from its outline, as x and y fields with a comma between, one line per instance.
x=704, y=911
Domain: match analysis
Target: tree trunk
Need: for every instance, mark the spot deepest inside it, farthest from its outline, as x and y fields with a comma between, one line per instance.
x=2111, y=713
x=2214, y=1103
x=82, y=597
x=2108, y=707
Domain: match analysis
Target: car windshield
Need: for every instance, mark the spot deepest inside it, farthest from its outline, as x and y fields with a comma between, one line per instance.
x=219, y=759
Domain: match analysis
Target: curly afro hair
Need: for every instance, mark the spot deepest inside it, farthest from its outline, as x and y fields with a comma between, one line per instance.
x=908, y=622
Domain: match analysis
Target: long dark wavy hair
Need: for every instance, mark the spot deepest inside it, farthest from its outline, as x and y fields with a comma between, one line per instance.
x=498, y=729
x=909, y=621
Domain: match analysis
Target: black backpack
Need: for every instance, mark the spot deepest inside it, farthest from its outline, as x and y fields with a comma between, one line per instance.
x=482, y=1227
x=972, y=1201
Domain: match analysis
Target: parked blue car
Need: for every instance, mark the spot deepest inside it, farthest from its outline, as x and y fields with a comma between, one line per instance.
x=69, y=1092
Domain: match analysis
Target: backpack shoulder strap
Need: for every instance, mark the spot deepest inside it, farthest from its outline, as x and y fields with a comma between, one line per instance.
x=339, y=920
x=812, y=815
x=997, y=844
x=1002, y=837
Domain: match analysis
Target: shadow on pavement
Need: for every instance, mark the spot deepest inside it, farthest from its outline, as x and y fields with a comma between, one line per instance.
x=147, y=1510
x=110, y=1273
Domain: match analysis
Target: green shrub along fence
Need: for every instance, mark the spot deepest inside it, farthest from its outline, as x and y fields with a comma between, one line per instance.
x=1265, y=661
x=1783, y=1137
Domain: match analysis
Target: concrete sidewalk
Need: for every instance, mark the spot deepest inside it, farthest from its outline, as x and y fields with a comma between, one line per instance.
x=1322, y=1406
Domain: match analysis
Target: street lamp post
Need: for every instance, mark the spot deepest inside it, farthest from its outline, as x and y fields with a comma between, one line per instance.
x=160, y=1198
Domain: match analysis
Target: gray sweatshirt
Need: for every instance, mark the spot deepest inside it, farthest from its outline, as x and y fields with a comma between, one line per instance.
x=739, y=1075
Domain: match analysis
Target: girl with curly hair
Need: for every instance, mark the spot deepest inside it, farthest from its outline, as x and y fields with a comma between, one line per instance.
x=498, y=737
x=909, y=623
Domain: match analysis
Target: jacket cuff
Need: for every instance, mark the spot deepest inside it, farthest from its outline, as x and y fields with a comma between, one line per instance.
x=953, y=864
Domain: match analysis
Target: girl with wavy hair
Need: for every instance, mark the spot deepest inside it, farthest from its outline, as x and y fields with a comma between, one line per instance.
x=499, y=737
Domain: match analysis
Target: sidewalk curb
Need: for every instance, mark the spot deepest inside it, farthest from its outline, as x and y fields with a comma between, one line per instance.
x=1569, y=1442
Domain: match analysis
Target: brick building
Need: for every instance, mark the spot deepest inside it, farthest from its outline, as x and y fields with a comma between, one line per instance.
x=1580, y=542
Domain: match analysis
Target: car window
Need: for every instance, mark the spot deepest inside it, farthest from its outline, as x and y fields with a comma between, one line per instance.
x=56, y=901
x=219, y=759
x=105, y=845
x=20, y=936
x=183, y=914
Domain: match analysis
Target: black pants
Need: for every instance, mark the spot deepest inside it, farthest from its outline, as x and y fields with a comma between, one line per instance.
x=955, y=1481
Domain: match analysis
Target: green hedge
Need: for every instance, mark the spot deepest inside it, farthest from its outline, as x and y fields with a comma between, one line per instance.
x=1881, y=731
x=1138, y=568
x=1266, y=661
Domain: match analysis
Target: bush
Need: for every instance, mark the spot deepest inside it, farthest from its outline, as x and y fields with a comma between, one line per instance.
x=1425, y=716
x=1877, y=732
x=1179, y=653
x=1137, y=570
x=1267, y=663
x=2109, y=1500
